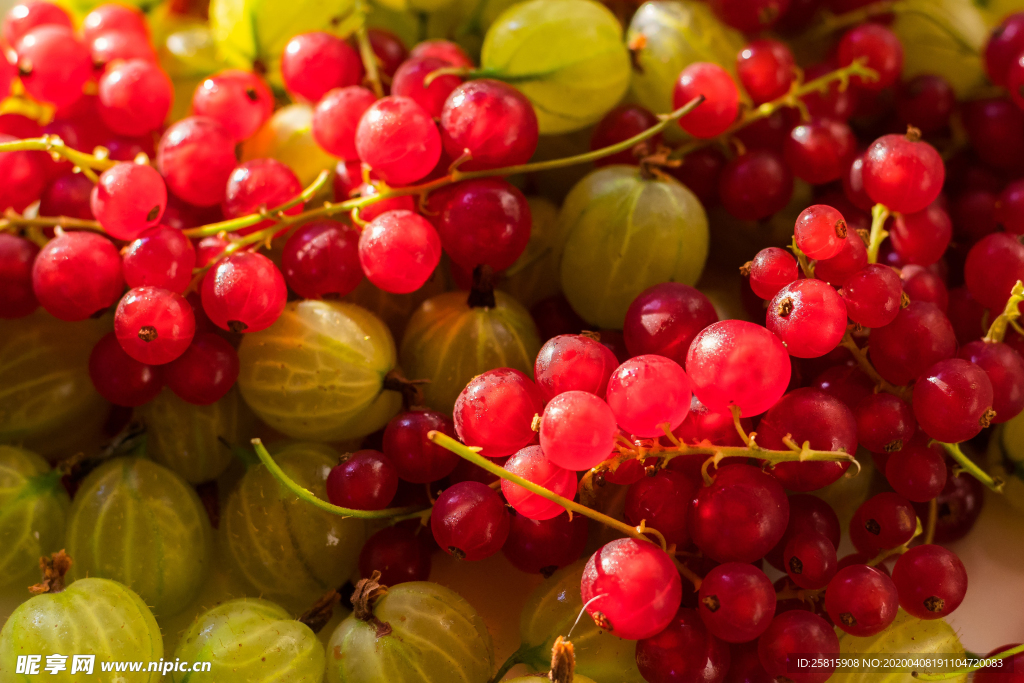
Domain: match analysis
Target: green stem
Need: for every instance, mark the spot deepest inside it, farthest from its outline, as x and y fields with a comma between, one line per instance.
x=1017, y=649
x=471, y=455
x=525, y=653
x=860, y=355
x=12, y=220
x=366, y=52
x=790, y=99
x=805, y=264
x=997, y=331
x=307, y=495
x=53, y=144
x=879, y=214
x=836, y=22
x=971, y=468
x=277, y=213
x=455, y=176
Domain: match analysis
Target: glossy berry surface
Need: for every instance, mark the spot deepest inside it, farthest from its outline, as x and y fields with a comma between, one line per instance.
x=322, y=257
x=755, y=185
x=531, y=464
x=736, y=602
x=399, y=140
x=410, y=81
x=134, y=97
x=861, y=600
x=313, y=63
x=244, y=292
x=205, y=371
x=766, y=68
x=811, y=416
x=738, y=363
x=740, y=516
x=903, y=173
x=337, y=117
x=1005, y=369
x=820, y=232
x=808, y=316
x=917, y=471
x=195, y=156
x=76, y=275
x=810, y=560
x=920, y=336
x=239, y=100
x=364, y=480
x=128, y=200
x=953, y=400
x=495, y=411
x=399, y=250
x=873, y=296
x=886, y=520
x=639, y=588
x=490, y=121
x=159, y=257
x=53, y=64
x=665, y=318
x=578, y=429
x=721, y=99
x=400, y=553
x=418, y=459
x=154, y=325
x=931, y=581
x=469, y=521
x=771, y=270
x=632, y=389
x=880, y=50
x=820, y=150
x=482, y=222
x=885, y=423
x=572, y=362
x=994, y=264
x=620, y=124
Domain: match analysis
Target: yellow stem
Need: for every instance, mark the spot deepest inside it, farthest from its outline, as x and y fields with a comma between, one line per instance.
x=879, y=214
x=1010, y=314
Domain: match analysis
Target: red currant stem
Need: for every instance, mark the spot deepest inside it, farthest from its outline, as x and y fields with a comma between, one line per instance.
x=1010, y=314
x=526, y=654
x=366, y=49
x=805, y=264
x=12, y=219
x=933, y=518
x=307, y=495
x=790, y=99
x=884, y=555
x=861, y=356
x=879, y=214
x=471, y=455
x=54, y=145
x=736, y=415
x=277, y=214
x=970, y=467
x=331, y=208
x=960, y=673
x=801, y=594
x=836, y=22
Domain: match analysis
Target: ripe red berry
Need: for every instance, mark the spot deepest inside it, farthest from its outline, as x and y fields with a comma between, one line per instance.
x=736, y=602
x=622, y=123
x=154, y=325
x=755, y=185
x=205, y=372
x=469, y=521
x=994, y=265
x=495, y=412
x=571, y=362
x=796, y=635
x=25, y=16
x=76, y=275
x=336, y=118
x=721, y=102
x=418, y=459
x=238, y=100
x=244, y=292
x=861, y=600
x=880, y=50
x=636, y=586
x=491, y=121
x=820, y=232
x=771, y=270
x=766, y=69
x=399, y=140
x=1003, y=47
x=531, y=464
x=316, y=62
x=920, y=336
x=399, y=250
x=364, y=480
x=121, y=379
x=114, y=17
x=873, y=296
x=195, y=156
x=128, y=200
x=134, y=97
x=53, y=64
x=665, y=318
x=953, y=400
x=931, y=581
x=903, y=173
x=735, y=362
x=820, y=150
x=648, y=394
x=808, y=316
